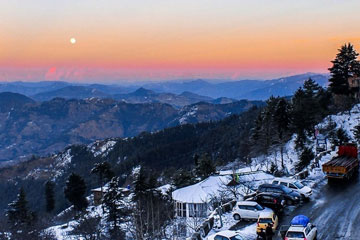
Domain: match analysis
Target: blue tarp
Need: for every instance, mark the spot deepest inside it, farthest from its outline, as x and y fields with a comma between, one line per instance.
x=300, y=220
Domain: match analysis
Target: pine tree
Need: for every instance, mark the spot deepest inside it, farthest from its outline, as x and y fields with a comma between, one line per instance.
x=282, y=122
x=75, y=191
x=49, y=196
x=115, y=207
x=182, y=178
x=103, y=170
x=205, y=167
x=342, y=137
x=345, y=65
x=305, y=158
x=282, y=118
x=140, y=184
x=19, y=216
x=309, y=105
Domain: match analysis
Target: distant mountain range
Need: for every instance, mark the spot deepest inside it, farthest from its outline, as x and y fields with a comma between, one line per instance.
x=245, y=89
x=176, y=93
x=141, y=95
x=28, y=127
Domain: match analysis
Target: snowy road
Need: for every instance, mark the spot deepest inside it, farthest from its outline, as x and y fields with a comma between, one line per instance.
x=335, y=210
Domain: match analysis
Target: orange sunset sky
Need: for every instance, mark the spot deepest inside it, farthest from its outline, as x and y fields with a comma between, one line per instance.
x=119, y=40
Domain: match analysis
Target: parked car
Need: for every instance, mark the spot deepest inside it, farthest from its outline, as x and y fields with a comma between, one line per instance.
x=300, y=229
x=266, y=218
x=248, y=210
x=275, y=201
x=295, y=185
x=290, y=196
x=226, y=235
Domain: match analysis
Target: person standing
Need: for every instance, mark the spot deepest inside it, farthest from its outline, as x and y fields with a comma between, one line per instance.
x=269, y=232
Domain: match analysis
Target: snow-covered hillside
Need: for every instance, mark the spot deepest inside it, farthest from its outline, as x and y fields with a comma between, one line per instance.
x=346, y=120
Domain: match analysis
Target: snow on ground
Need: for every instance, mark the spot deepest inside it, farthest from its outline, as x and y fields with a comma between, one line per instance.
x=248, y=231
x=237, y=171
x=101, y=148
x=61, y=163
x=191, y=113
x=165, y=188
x=290, y=158
x=63, y=231
x=315, y=180
x=64, y=159
x=347, y=121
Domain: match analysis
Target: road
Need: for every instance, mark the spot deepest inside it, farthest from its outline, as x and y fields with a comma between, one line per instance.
x=334, y=209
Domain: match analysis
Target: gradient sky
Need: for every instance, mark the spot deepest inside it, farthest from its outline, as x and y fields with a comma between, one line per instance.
x=132, y=40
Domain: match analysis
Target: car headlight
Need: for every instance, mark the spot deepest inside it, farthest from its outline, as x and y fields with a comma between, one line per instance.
x=296, y=198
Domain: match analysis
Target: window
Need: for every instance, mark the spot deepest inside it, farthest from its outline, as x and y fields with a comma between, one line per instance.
x=219, y=238
x=292, y=186
x=307, y=230
x=258, y=207
x=284, y=184
x=275, y=182
x=275, y=190
x=197, y=209
x=250, y=208
x=295, y=235
x=180, y=209
x=237, y=237
x=265, y=220
x=192, y=210
x=241, y=207
x=299, y=185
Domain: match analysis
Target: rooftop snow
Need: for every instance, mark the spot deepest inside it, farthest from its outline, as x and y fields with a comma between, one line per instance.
x=202, y=191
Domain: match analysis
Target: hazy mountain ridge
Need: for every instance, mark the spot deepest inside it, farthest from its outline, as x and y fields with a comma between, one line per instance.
x=173, y=146
x=9, y=100
x=141, y=95
x=243, y=89
x=45, y=127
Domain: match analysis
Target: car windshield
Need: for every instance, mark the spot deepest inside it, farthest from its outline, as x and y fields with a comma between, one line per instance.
x=287, y=190
x=298, y=184
x=258, y=207
x=236, y=237
x=295, y=235
x=265, y=220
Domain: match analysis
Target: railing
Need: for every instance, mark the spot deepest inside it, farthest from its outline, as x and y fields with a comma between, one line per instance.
x=208, y=224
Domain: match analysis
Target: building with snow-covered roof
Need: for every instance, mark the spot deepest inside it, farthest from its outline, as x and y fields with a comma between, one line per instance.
x=193, y=201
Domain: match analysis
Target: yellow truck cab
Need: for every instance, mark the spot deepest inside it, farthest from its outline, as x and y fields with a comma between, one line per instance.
x=266, y=218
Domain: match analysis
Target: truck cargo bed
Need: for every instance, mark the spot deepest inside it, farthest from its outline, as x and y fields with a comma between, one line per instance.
x=341, y=161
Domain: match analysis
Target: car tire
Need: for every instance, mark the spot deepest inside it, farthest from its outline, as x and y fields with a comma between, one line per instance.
x=289, y=202
x=237, y=217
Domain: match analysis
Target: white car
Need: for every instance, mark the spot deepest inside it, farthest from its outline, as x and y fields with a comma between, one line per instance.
x=248, y=210
x=295, y=185
x=298, y=232
x=226, y=235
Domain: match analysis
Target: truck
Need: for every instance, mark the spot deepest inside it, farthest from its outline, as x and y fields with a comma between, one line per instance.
x=300, y=228
x=344, y=165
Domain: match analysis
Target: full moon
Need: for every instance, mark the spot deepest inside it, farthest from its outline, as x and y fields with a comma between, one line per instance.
x=72, y=40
